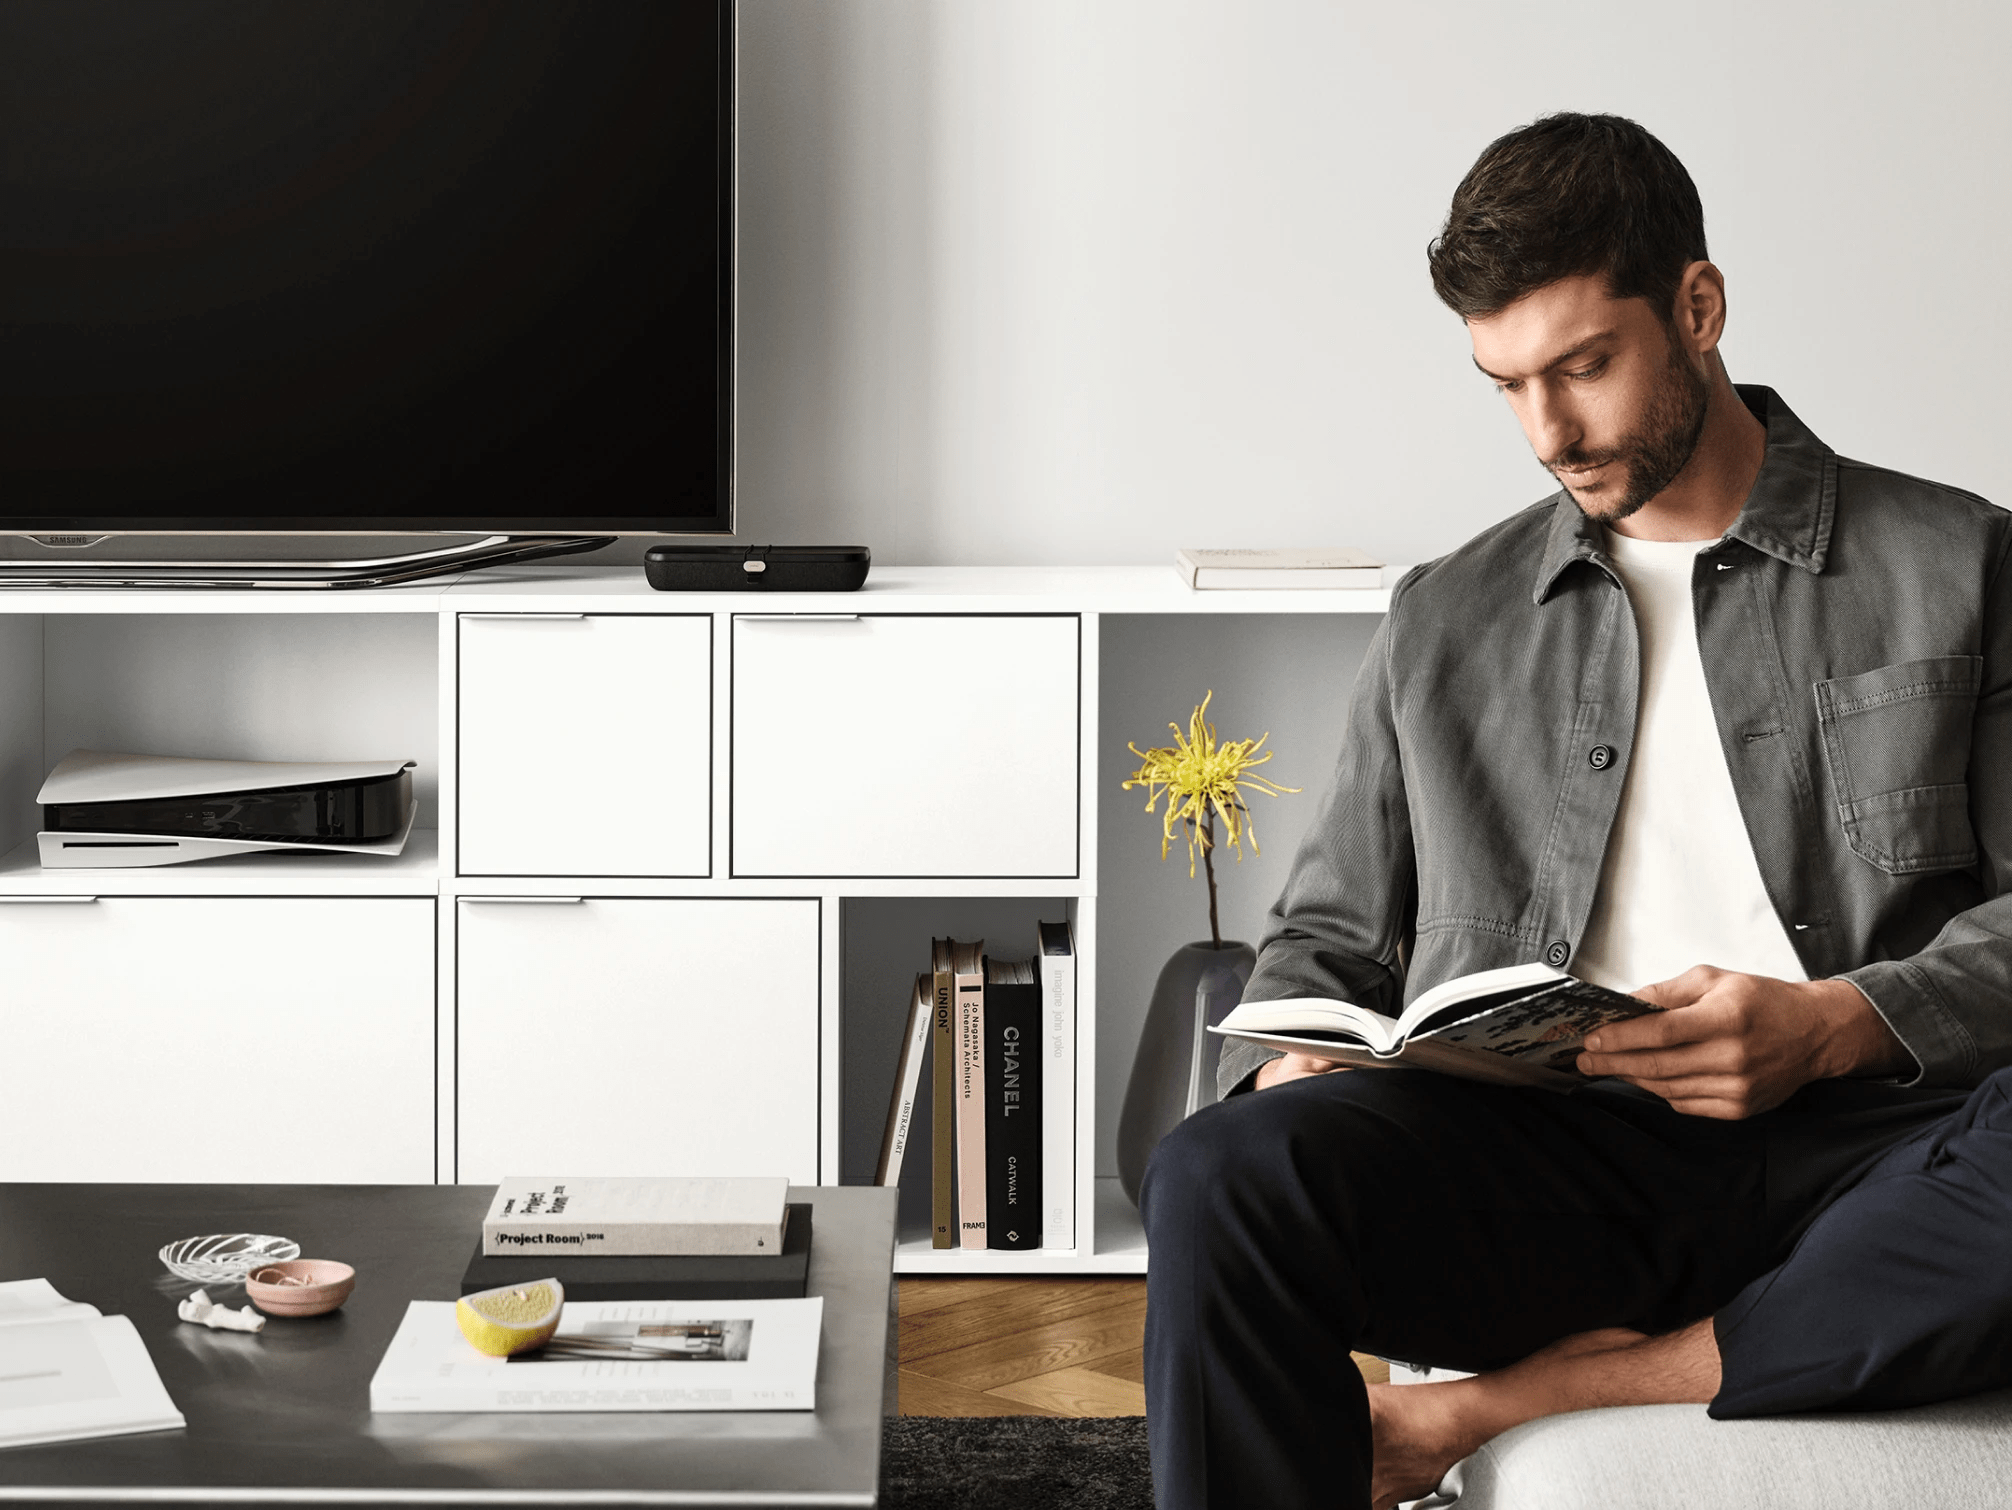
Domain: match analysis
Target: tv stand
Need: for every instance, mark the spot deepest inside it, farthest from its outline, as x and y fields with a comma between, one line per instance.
x=377, y=571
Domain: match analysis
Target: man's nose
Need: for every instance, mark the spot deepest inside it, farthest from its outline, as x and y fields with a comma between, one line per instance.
x=1551, y=426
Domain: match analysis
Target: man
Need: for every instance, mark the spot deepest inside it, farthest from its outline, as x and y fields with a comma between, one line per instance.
x=1727, y=722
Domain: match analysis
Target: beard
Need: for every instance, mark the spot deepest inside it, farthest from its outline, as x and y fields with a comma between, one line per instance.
x=1658, y=449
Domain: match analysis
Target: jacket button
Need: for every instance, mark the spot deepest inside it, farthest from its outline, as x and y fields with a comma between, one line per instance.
x=1557, y=954
x=1600, y=757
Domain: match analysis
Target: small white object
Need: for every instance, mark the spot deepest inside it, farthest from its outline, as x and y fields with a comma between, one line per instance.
x=225, y=1258
x=200, y=1309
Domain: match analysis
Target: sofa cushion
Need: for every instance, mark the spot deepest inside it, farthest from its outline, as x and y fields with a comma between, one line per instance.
x=1675, y=1457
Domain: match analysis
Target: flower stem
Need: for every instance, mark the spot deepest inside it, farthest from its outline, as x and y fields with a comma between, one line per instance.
x=1209, y=862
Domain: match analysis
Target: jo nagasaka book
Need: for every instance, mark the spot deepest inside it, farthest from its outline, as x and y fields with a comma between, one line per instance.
x=636, y=1216
x=1521, y=1025
x=1337, y=566
x=968, y=975
x=613, y=1355
x=68, y=1372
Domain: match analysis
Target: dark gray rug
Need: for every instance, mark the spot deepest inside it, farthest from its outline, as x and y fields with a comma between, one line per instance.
x=1014, y=1463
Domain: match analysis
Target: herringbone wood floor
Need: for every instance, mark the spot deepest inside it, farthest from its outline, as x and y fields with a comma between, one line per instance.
x=1028, y=1347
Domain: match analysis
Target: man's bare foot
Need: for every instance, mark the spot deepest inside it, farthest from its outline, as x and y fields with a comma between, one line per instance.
x=1417, y=1438
x=1421, y=1430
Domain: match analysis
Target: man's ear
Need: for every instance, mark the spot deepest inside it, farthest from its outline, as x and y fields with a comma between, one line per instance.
x=1699, y=317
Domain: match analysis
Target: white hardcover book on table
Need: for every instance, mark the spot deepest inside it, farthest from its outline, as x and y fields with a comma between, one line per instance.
x=1057, y=966
x=1336, y=566
x=68, y=1373
x=631, y=1355
x=546, y=1214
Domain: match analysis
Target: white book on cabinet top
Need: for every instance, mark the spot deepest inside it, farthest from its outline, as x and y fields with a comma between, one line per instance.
x=1337, y=566
x=636, y=1216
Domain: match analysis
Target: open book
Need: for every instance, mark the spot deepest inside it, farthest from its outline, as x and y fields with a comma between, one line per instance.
x=67, y=1372
x=1521, y=1025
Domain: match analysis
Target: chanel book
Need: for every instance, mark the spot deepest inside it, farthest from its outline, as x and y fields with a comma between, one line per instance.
x=1521, y=1025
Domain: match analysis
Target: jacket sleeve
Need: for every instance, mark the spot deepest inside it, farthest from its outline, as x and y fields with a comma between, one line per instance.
x=1951, y=1004
x=1338, y=928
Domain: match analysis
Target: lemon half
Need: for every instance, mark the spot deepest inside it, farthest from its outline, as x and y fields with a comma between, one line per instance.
x=513, y=1319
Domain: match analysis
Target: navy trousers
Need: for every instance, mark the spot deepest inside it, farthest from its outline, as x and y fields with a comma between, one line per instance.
x=1854, y=1248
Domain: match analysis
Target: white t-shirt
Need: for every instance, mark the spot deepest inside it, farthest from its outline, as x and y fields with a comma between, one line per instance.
x=1679, y=886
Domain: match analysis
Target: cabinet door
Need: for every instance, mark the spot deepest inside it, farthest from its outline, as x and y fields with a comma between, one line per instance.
x=638, y=1036
x=919, y=745
x=220, y=1040
x=586, y=745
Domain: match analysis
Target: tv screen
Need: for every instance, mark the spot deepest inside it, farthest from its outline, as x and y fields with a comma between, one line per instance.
x=366, y=266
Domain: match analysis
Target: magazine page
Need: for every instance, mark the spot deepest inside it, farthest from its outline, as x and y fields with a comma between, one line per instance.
x=76, y=1377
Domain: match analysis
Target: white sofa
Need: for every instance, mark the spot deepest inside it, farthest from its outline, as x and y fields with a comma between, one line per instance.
x=1675, y=1457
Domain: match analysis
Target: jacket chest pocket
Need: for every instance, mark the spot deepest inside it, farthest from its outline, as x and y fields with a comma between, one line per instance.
x=1897, y=741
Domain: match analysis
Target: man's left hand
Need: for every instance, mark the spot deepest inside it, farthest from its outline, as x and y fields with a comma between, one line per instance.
x=1729, y=1045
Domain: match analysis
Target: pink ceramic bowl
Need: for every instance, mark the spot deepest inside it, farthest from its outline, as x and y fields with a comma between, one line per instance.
x=300, y=1286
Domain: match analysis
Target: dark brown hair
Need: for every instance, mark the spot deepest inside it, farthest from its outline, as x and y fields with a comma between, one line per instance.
x=1564, y=196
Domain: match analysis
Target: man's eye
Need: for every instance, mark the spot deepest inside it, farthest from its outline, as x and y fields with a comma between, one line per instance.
x=1588, y=372
x=1514, y=385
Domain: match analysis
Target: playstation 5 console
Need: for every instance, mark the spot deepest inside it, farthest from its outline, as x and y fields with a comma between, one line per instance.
x=103, y=811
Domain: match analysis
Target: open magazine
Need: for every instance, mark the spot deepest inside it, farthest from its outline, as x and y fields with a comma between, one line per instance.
x=1520, y=1025
x=67, y=1372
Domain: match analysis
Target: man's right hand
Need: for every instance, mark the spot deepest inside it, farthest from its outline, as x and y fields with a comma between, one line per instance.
x=1292, y=1067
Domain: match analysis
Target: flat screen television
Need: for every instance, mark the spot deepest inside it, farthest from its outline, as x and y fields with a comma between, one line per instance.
x=366, y=267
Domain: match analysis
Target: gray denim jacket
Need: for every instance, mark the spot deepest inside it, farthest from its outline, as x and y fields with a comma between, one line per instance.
x=1856, y=631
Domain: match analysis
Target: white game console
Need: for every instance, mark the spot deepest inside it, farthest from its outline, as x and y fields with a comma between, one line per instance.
x=103, y=811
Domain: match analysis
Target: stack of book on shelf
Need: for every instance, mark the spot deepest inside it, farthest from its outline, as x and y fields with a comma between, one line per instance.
x=1001, y=1038
x=655, y=1275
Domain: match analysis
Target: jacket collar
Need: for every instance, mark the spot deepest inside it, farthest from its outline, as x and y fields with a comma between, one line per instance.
x=1787, y=515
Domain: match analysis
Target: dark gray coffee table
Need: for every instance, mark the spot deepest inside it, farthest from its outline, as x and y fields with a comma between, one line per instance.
x=283, y=1418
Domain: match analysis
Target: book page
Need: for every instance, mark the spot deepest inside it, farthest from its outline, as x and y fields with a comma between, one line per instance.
x=73, y=1378
x=1544, y=1029
x=1311, y=1015
x=38, y=1300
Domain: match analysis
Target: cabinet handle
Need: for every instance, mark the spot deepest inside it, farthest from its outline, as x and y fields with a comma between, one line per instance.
x=44, y=901
x=529, y=901
x=797, y=618
x=523, y=616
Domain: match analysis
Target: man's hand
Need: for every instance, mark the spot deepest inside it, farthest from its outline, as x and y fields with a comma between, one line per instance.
x=1292, y=1067
x=1729, y=1045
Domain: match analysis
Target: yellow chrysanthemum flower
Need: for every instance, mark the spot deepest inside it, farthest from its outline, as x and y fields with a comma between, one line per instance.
x=1204, y=780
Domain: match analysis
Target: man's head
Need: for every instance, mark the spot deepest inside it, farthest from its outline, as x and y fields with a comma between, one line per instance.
x=1575, y=251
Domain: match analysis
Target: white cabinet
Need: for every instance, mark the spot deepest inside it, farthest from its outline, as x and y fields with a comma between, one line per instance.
x=923, y=757
x=217, y=1039
x=898, y=745
x=638, y=1036
x=585, y=744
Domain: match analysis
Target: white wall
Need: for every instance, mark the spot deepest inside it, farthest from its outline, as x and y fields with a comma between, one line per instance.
x=1083, y=280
